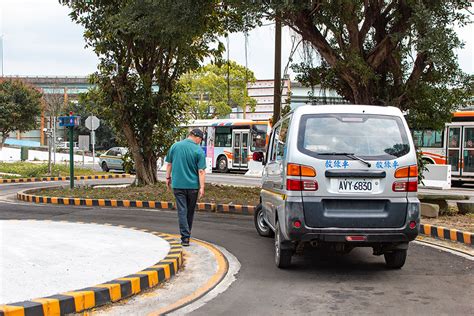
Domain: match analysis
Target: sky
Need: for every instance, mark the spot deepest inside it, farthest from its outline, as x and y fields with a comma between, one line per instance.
x=39, y=39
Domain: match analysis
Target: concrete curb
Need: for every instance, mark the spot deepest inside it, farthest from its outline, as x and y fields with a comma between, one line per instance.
x=206, y=207
x=446, y=233
x=101, y=294
x=43, y=179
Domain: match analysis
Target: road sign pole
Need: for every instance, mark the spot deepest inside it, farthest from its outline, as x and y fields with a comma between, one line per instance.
x=71, y=156
x=92, y=123
x=93, y=148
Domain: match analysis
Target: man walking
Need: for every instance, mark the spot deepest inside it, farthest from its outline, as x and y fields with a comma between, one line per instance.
x=185, y=174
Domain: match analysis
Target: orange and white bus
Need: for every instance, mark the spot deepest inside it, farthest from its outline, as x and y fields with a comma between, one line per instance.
x=233, y=144
x=454, y=145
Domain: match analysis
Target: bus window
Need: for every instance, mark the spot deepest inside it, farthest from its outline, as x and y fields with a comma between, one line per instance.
x=418, y=138
x=428, y=138
x=223, y=137
x=259, y=137
x=432, y=139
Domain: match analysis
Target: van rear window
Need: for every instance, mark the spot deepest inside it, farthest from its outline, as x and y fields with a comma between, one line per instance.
x=369, y=136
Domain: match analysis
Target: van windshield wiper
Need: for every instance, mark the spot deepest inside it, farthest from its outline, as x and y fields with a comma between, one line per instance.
x=350, y=155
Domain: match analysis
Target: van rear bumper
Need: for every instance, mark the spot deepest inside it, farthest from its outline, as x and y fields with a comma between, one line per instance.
x=393, y=237
x=294, y=211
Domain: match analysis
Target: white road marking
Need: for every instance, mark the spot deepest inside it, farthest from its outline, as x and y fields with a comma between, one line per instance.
x=452, y=251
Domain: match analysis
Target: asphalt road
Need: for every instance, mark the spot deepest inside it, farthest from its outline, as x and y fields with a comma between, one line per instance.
x=431, y=282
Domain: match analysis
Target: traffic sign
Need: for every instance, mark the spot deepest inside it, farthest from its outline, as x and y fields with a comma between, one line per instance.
x=84, y=142
x=69, y=121
x=92, y=123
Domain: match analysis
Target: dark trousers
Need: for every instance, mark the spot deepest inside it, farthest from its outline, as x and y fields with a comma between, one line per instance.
x=185, y=203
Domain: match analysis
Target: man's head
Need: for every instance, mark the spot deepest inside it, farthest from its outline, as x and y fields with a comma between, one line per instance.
x=196, y=135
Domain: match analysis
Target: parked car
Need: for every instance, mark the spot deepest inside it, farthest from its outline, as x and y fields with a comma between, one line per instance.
x=340, y=177
x=113, y=159
x=65, y=145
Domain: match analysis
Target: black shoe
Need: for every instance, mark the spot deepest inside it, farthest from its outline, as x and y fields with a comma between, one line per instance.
x=185, y=242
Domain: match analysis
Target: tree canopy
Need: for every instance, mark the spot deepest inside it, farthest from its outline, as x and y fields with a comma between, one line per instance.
x=379, y=52
x=143, y=48
x=205, y=94
x=20, y=105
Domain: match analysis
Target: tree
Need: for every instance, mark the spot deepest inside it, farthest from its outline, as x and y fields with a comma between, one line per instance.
x=380, y=52
x=204, y=92
x=54, y=101
x=143, y=48
x=53, y=105
x=20, y=105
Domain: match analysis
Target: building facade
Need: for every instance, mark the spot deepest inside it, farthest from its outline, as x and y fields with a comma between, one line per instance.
x=293, y=94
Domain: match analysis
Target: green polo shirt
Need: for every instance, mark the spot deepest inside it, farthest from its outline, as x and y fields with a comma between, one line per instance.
x=187, y=158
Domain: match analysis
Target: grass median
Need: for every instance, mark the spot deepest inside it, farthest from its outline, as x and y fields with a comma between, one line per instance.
x=16, y=170
x=222, y=194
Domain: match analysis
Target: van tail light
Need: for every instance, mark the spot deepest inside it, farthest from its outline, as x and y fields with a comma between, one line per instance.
x=405, y=186
x=407, y=172
x=293, y=169
x=301, y=185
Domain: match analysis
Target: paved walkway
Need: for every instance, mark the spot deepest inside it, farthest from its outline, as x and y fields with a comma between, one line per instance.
x=42, y=258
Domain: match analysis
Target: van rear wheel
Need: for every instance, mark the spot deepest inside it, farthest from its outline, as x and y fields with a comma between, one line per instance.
x=262, y=228
x=282, y=256
x=396, y=258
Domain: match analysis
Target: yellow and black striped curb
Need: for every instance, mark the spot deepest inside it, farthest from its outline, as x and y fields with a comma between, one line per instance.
x=108, y=292
x=239, y=209
x=446, y=233
x=207, y=207
x=43, y=179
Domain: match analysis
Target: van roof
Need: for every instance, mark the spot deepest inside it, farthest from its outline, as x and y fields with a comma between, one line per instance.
x=348, y=108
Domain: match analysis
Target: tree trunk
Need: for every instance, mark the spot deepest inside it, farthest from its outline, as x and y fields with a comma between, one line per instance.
x=145, y=167
x=3, y=139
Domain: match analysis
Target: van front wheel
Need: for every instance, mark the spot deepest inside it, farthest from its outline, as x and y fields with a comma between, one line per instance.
x=262, y=227
x=282, y=256
x=396, y=258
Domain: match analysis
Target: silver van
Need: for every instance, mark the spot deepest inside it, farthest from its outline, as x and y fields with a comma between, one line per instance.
x=339, y=177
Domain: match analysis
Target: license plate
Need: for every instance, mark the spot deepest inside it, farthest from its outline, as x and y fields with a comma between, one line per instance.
x=355, y=186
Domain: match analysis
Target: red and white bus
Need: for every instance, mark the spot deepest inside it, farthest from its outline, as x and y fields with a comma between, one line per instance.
x=233, y=144
x=454, y=145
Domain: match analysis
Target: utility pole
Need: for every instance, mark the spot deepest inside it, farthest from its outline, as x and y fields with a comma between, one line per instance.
x=277, y=72
x=71, y=156
x=48, y=133
x=246, y=92
x=228, y=72
x=54, y=138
